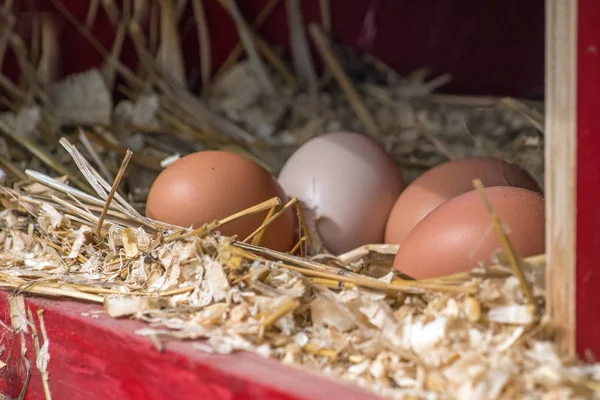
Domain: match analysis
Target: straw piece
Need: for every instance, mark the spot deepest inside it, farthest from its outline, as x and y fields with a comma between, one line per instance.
x=11, y=89
x=538, y=261
x=206, y=228
x=270, y=220
x=92, y=13
x=61, y=187
x=186, y=106
x=35, y=46
x=82, y=212
x=345, y=83
x=140, y=9
x=35, y=40
x=321, y=352
x=506, y=245
x=439, y=144
x=180, y=7
x=12, y=169
x=257, y=239
x=436, y=83
x=112, y=192
x=109, y=70
x=303, y=230
x=90, y=149
x=358, y=280
x=236, y=53
x=332, y=284
x=269, y=54
x=194, y=106
x=203, y=41
x=48, y=64
x=325, y=8
x=37, y=288
x=42, y=155
x=281, y=311
x=8, y=21
x=531, y=115
x=101, y=187
x=307, y=264
x=146, y=58
x=111, y=10
x=587, y=383
x=356, y=254
x=27, y=69
x=477, y=101
x=247, y=39
x=153, y=25
x=42, y=355
x=170, y=54
x=303, y=62
x=294, y=249
x=130, y=77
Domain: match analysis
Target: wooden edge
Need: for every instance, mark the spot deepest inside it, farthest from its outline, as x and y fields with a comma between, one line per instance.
x=96, y=357
x=560, y=166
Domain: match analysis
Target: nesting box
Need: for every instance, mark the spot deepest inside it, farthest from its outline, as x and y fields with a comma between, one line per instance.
x=537, y=49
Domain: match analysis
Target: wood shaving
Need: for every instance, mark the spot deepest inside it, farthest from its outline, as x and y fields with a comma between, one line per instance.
x=485, y=345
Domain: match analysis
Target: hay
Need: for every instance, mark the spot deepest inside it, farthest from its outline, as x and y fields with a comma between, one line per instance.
x=464, y=336
x=477, y=334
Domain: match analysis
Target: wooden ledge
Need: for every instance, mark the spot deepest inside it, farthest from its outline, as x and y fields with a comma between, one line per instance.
x=102, y=358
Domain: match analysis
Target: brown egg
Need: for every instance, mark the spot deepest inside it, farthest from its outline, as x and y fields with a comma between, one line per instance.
x=443, y=242
x=349, y=182
x=209, y=185
x=446, y=181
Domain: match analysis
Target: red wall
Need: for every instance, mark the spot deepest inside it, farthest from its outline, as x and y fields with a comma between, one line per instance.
x=489, y=47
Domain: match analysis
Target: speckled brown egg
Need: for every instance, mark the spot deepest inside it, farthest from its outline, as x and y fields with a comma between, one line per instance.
x=446, y=181
x=210, y=185
x=456, y=236
x=349, y=182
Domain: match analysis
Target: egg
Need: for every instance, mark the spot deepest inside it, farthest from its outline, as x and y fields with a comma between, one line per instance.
x=446, y=181
x=456, y=235
x=349, y=182
x=210, y=185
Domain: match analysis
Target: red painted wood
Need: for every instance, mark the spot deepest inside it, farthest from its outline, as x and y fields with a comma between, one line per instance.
x=588, y=179
x=101, y=358
x=489, y=47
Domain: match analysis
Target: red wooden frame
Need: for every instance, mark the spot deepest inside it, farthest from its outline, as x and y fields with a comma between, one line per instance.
x=587, y=297
x=102, y=358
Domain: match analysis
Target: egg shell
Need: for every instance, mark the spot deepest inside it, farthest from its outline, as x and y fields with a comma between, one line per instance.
x=210, y=185
x=446, y=181
x=443, y=242
x=350, y=182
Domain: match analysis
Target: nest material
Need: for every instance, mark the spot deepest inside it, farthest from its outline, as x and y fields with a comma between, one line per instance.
x=472, y=335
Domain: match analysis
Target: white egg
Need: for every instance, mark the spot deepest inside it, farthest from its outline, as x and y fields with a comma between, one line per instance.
x=349, y=182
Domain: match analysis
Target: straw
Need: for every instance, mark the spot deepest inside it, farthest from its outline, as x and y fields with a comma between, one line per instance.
x=506, y=244
x=112, y=192
x=203, y=41
x=236, y=53
x=338, y=72
x=247, y=39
